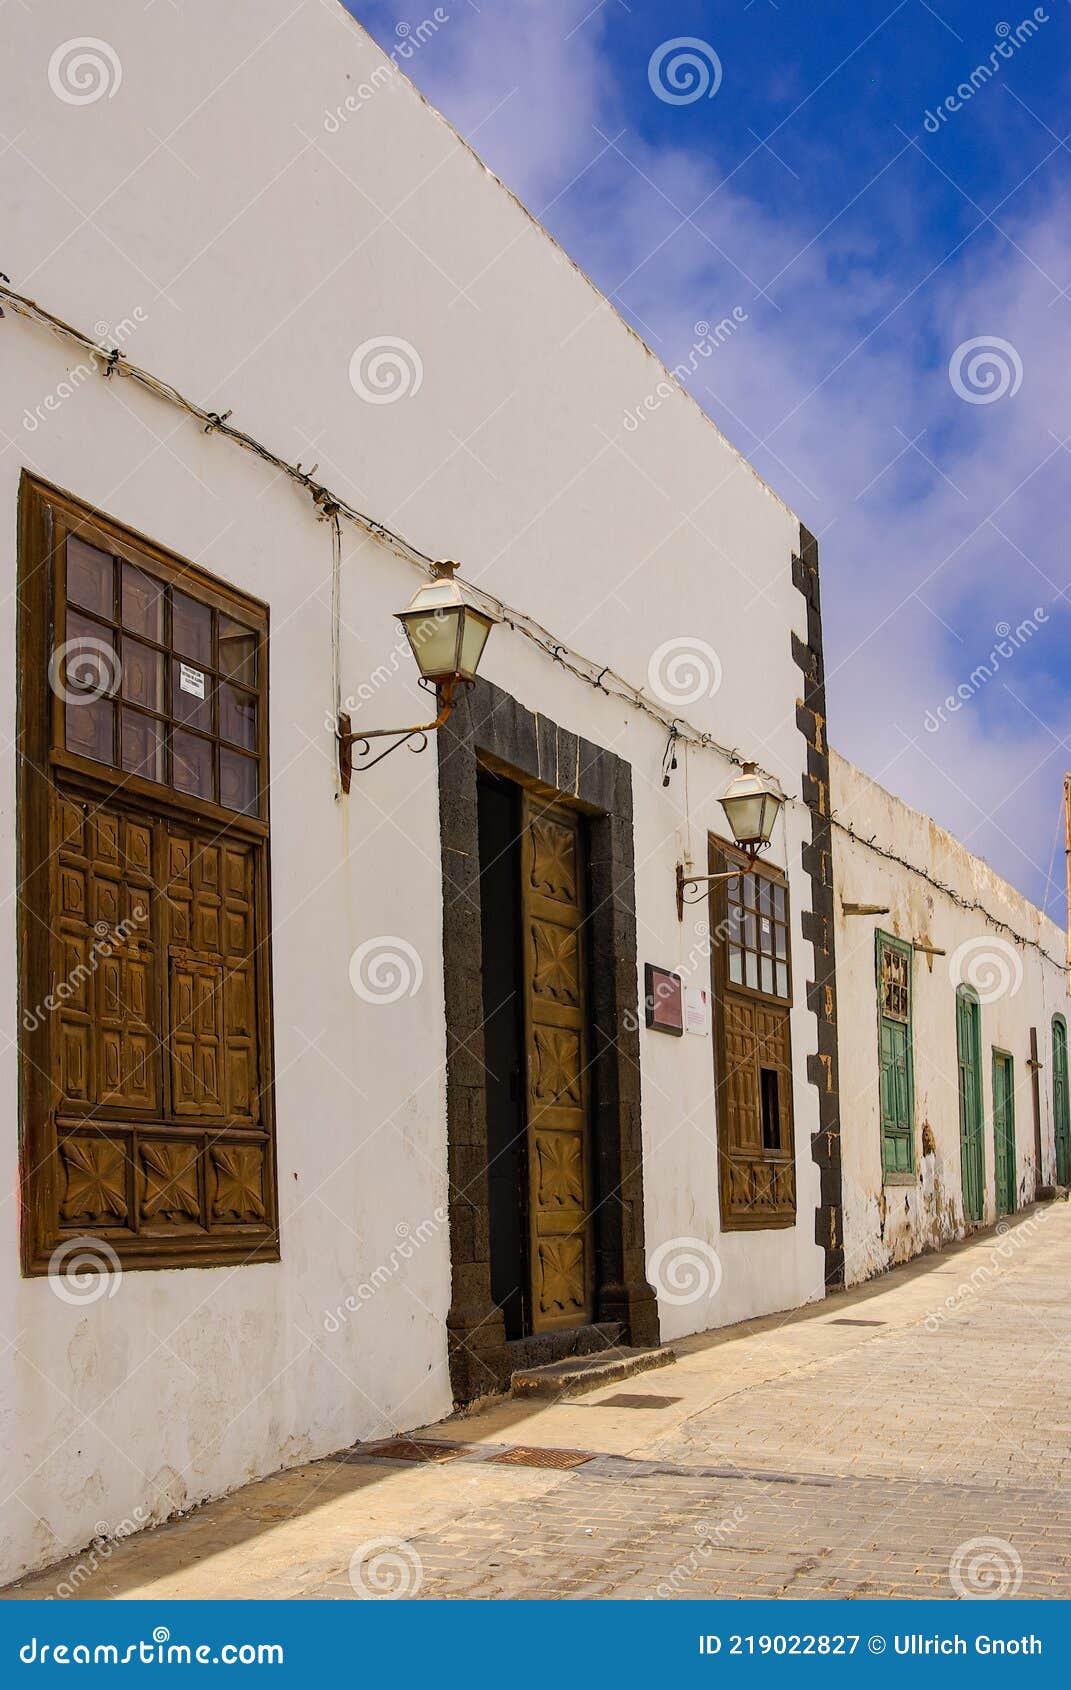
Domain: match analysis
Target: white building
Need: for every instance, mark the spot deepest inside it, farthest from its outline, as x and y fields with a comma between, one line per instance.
x=953, y=1033
x=271, y=1075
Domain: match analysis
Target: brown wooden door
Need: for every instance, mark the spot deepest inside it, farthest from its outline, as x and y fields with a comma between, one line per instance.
x=555, y=1012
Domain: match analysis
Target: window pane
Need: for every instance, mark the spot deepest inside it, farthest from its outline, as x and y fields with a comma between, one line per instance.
x=751, y=970
x=141, y=747
x=237, y=651
x=143, y=603
x=765, y=891
x=751, y=938
x=89, y=665
x=89, y=729
x=765, y=933
x=143, y=676
x=749, y=891
x=780, y=939
x=191, y=627
x=237, y=716
x=736, y=966
x=90, y=577
x=191, y=695
x=191, y=764
x=779, y=902
x=782, y=979
x=766, y=974
x=237, y=781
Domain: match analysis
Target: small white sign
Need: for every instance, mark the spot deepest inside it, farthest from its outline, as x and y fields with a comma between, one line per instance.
x=696, y=1010
x=191, y=680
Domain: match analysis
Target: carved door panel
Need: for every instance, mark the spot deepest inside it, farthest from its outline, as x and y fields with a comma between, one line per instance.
x=559, y=1180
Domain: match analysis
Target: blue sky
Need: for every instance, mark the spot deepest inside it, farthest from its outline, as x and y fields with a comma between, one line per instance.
x=820, y=183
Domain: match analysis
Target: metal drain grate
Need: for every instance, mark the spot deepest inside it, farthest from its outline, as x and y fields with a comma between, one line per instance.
x=634, y=1399
x=412, y=1449
x=844, y=1321
x=522, y=1455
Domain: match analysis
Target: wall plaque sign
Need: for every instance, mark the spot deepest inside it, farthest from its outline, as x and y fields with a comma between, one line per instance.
x=663, y=1000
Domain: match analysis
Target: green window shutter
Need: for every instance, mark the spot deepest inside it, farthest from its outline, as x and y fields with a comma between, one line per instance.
x=894, y=1056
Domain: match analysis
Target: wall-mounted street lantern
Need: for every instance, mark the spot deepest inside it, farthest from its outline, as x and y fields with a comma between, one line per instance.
x=752, y=804
x=447, y=626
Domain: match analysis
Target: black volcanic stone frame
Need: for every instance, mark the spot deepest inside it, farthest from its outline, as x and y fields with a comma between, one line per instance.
x=822, y=1068
x=490, y=727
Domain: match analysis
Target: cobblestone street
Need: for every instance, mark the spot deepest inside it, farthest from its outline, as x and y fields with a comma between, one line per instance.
x=909, y=1438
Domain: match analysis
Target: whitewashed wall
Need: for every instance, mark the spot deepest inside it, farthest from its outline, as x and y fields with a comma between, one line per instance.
x=1018, y=988
x=206, y=199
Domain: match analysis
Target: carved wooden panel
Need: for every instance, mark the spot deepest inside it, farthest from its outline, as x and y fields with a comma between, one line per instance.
x=103, y=967
x=94, y=1190
x=560, y=1228
x=552, y=855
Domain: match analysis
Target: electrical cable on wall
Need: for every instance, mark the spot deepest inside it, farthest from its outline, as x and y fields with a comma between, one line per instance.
x=330, y=506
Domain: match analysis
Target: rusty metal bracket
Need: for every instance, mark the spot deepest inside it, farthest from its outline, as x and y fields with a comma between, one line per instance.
x=351, y=762
x=698, y=881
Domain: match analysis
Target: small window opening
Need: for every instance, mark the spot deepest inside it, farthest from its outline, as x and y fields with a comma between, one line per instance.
x=771, y=1109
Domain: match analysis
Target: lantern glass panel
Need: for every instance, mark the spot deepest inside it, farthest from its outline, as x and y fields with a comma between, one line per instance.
x=473, y=640
x=433, y=636
x=746, y=816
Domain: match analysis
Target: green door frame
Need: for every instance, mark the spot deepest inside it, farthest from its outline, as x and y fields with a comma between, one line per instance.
x=1061, y=1108
x=1004, y=1180
x=971, y=1110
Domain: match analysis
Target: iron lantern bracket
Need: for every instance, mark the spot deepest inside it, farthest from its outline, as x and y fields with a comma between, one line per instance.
x=353, y=761
x=698, y=881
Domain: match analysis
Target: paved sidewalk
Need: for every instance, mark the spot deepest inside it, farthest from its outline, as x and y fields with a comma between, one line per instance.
x=910, y=1438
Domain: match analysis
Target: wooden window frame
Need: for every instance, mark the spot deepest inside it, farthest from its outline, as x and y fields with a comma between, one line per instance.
x=889, y=942
x=45, y=768
x=780, y=1164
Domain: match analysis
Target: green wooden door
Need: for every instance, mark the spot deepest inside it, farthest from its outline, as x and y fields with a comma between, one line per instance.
x=969, y=1056
x=1061, y=1114
x=1004, y=1131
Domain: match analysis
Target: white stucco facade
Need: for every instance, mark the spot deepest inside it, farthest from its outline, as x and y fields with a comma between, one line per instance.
x=246, y=257
x=1015, y=962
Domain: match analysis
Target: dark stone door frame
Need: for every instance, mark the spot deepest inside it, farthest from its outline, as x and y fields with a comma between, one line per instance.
x=491, y=728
